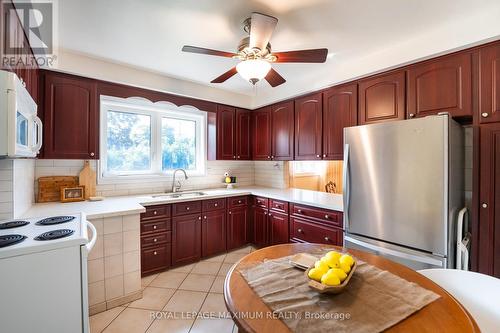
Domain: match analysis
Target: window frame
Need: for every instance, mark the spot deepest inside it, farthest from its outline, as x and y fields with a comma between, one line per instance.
x=157, y=111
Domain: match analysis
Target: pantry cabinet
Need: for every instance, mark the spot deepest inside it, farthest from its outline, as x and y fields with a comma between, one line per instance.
x=489, y=107
x=70, y=117
x=382, y=98
x=441, y=85
x=308, y=127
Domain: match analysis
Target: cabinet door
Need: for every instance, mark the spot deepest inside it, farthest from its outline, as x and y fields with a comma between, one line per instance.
x=340, y=108
x=441, y=85
x=308, y=127
x=226, y=133
x=489, y=200
x=237, y=227
x=382, y=98
x=278, y=228
x=70, y=117
x=282, y=131
x=262, y=134
x=243, y=130
x=213, y=233
x=260, y=227
x=489, y=106
x=186, y=239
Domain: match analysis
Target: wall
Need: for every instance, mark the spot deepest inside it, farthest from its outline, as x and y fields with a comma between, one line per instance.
x=16, y=187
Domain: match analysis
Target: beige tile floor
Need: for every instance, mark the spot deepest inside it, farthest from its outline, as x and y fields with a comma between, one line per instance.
x=171, y=298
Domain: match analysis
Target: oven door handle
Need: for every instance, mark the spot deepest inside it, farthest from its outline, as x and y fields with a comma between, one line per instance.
x=92, y=241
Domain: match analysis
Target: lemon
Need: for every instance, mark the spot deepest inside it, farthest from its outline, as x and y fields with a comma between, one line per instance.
x=339, y=273
x=322, y=266
x=330, y=279
x=333, y=255
x=346, y=259
x=346, y=268
x=315, y=274
x=331, y=261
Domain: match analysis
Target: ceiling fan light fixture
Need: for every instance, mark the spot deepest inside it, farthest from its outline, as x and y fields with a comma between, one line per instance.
x=253, y=70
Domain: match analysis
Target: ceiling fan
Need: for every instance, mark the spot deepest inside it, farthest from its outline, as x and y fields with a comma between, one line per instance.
x=255, y=53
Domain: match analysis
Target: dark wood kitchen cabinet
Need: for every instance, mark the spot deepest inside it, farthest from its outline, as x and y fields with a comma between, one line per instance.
x=233, y=133
x=315, y=225
x=489, y=107
x=308, y=127
x=237, y=227
x=261, y=132
x=340, y=108
x=213, y=232
x=278, y=227
x=186, y=238
x=70, y=117
x=441, y=85
x=382, y=98
x=489, y=200
x=260, y=227
x=282, y=135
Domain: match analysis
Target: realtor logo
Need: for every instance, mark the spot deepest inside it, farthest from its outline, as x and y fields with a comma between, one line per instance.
x=28, y=28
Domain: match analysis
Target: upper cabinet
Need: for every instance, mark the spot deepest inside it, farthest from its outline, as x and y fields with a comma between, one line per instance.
x=233, y=133
x=382, y=98
x=489, y=107
x=340, y=107
x=441, y=85
x=282, y=131
x=308, y=127
x=70, y=117
x=261, y=134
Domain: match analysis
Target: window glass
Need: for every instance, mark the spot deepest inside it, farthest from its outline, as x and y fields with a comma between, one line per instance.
x=178, y=144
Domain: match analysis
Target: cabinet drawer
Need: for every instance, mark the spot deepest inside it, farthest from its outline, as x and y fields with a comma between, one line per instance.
x=261, y=202
x=213, y=204
x=323, y=215
x=183, y=208
x=156, y=226
x=277, y=205
x=237, y=201
x=154, y=212
x=156, y=259
x=156, y=239
x=304, y=231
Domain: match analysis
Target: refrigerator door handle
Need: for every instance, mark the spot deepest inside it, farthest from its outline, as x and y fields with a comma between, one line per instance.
x=346, y=191
x=394, y=253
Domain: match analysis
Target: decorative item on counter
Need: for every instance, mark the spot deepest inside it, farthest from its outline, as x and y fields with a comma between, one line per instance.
x=88, y=179
x=72, y=194
x=49, y=188
x=227, y=178
x=229, y=181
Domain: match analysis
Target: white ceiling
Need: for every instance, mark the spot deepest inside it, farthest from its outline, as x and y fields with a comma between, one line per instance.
x=362, y=35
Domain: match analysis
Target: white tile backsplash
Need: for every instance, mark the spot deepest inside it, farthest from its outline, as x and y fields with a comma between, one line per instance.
x=17, y=177
x=272, y=174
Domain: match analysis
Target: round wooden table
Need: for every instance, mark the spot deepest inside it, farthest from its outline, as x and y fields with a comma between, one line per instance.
x=442, y=315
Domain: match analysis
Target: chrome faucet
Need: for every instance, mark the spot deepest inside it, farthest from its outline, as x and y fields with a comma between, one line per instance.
x=177, y=187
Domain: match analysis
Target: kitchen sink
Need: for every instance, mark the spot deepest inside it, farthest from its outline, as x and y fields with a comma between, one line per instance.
x=179, y=195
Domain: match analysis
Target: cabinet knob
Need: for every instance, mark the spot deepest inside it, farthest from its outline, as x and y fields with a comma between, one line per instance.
x=324, y=155
x=484, y=205
x=485, y=114
x=318, y=155
x=155, y=212
x=234, y=156
x=258, y=201
x=299, y=211
x=199, y=217
x=205, y=217
x=229, y=213
x=239, y=201
x=412, y=115
x=327, y=217
x=154, y=227
x=272, y=157
x=327, y=239
x=155, y=240
x=299, y=230
x=155, y=253
x=265, y=213
x=238, y=156
x=216, y=204
x=92, y=154
x=187, y=208
x=268, y=157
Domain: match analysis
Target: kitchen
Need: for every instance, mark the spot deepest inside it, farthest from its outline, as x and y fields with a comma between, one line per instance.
x=140, y=194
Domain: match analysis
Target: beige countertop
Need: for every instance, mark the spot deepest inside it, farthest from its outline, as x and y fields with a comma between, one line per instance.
x=126, y=205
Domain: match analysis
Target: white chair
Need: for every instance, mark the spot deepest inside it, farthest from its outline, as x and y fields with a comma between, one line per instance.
x=478, y=293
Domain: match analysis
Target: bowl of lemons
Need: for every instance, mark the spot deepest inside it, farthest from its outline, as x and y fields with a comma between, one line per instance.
x=332, y=272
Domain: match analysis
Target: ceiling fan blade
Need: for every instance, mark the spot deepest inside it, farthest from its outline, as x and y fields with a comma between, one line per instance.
x=274, y=78
x=261, y=28
x=201, y=50
x=313, y=55
x=224, y=76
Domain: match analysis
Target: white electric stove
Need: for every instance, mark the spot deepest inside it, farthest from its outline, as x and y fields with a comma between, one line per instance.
x=43, y=270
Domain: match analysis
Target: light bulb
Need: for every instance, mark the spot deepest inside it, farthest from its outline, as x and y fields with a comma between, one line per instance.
x=253, y=70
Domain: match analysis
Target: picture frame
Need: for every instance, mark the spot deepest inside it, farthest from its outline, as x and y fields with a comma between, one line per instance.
x=73, y=194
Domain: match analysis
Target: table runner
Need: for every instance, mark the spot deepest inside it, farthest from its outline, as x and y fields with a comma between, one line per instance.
x=373, y=301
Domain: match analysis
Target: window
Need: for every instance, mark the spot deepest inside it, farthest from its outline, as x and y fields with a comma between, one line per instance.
x=307, y=167
x=141, y=139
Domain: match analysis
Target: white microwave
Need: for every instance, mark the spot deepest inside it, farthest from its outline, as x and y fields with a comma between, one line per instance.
x=20, y=127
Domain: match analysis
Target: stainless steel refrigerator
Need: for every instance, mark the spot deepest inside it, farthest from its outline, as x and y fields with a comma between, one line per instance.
x=403, y=189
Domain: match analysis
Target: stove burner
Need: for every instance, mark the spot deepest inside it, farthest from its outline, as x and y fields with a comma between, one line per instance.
x=13, y=224
x=54, y=234
x=8, y=240
x=55, y=220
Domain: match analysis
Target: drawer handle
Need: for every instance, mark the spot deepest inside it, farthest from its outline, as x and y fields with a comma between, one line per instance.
x=299, y=230
x=155, y=253
x=155, y=240
x=215, y=204
x=154, y=227
x=327, y=217
x=327, y=239
x=155, y=212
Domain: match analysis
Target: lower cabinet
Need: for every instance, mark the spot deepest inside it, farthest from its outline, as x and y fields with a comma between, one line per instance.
x=213, y=231
x=186, y=239
x=260, y=227
x=278, y=228
x=307, y=231
x=156, y=239
x=237, y=224
x=155, y=259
